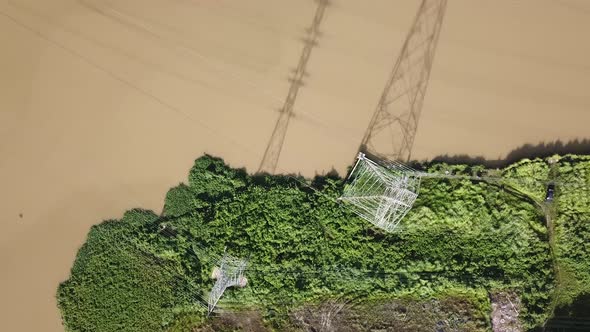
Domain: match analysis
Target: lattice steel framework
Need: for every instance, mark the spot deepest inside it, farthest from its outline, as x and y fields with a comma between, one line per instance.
x=381, y=194
x=392, y=129
x=230, y=272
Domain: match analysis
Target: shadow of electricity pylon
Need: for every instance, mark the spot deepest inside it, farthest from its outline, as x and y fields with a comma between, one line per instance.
x=392, y=129
x=275, y=144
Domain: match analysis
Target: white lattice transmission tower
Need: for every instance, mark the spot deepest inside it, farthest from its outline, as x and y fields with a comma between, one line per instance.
x=381, y=194
x=228, y=273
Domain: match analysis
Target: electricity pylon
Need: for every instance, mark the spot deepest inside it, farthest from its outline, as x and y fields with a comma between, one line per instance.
x=392, y=129
x=273, y=149
x=381, y=194
x=229, y=273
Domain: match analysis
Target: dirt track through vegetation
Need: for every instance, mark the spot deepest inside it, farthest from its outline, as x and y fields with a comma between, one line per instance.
x=105, y=104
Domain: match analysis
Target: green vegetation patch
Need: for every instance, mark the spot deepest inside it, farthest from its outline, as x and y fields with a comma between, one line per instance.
x=461, y=240
x=572, y=228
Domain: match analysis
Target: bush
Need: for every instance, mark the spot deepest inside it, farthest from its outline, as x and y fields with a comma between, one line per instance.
x=147, y=272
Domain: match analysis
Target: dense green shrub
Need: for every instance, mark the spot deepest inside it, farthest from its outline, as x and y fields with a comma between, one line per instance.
x=114, y=286
x=303, y=245
x=572, y=227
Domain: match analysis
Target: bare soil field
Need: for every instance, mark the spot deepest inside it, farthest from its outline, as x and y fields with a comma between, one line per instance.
x=104, y=105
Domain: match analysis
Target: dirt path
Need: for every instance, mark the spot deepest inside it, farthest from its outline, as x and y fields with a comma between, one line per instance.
x=549, y=213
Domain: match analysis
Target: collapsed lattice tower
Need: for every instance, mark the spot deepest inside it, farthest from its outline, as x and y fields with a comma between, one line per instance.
x=230, y=272
x=381, y=194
